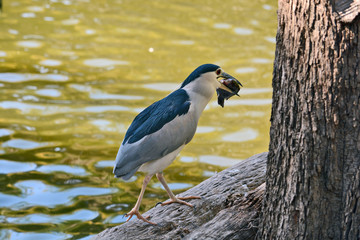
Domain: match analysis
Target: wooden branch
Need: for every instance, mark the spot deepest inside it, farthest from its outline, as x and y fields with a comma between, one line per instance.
x=229, y=209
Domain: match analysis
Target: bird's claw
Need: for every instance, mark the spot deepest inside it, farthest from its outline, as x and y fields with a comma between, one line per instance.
x=179, y=200
x=159, y=203
x=138, y=215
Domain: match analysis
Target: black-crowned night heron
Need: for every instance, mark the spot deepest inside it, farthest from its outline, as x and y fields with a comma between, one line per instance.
x=160, y=132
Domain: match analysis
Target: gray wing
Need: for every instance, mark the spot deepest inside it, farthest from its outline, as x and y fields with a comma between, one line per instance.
x=154, y=146
x=160, y=129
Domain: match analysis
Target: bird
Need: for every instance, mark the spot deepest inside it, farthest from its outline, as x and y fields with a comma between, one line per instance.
x=158, y=133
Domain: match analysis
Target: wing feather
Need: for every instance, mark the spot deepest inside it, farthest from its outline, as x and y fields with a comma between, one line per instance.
x=157, y=131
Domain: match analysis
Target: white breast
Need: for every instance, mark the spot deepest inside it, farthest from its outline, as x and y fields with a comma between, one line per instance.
x=159, y=165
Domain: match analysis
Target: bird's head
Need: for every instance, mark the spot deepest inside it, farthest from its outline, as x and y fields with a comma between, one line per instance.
x=209, y=77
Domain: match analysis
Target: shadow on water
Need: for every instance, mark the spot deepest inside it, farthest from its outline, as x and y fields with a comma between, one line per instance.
x=74, y=74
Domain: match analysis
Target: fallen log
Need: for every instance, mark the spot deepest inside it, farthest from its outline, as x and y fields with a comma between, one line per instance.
x=228, y=209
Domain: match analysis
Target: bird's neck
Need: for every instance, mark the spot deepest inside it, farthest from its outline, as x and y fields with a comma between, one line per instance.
x=199, y=97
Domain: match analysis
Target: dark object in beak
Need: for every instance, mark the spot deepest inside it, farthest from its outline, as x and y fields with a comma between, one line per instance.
x=230, y=86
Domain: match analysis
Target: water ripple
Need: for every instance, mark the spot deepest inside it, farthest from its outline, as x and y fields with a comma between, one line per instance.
x=183, y=42
x=74, y=170
x=48, y=92
x=218, y=160
x=222, y=25
x=104, y=62
x=245, y=134
x=243, y=31
x=97, y=109
x=10, y=234
x=29, y=44
x=249, y=102
x=271, y=39
x=103, y=95
x=105, y=163
x=245, y=70
x=165, y=87
x=116, y=219
x=37, y=193
x=71, y=21
x=244, y=102
x=5, y=132
x=15, y=167
x=98, y=94
x=248, y=91
x=35, y=8
x=25, y=77
x=50, y=62
x=23, y=144
x=173, y=186
x=262, y=60
x=28, y=15
x=205, y=129
x=47, y=109
x=82, y=214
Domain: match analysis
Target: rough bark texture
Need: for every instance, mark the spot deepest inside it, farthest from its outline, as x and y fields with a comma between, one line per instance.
x=229, y=209
x=313, y=177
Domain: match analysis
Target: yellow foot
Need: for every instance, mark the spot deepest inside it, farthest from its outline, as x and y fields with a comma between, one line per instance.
x=179, y=200
x=139, y=216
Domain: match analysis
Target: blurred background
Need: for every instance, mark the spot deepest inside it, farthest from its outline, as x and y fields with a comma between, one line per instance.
x=74, y=74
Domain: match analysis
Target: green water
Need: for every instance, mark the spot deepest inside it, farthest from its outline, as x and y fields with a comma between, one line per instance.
x=74, y=74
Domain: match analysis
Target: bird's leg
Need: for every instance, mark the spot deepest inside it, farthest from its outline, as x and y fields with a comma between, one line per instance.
x=173, y=199
x=135, y=210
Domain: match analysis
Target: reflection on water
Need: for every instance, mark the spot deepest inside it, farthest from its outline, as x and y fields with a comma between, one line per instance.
x=243, y=31
x=34, y=193
x=166, y=87
x=15, y=167
x=243, y=135
x=9, y=234
x=245, y=70
x=80, y=215
x=74, y=74
x=102, y=62
x=218, y=160
x=22, y=144
x=50, y=62
x=29, y=44
x=174, y=186
x=24, y=77
x=51, y=169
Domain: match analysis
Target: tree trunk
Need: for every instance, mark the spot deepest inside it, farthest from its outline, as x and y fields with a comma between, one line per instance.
x=313, y=169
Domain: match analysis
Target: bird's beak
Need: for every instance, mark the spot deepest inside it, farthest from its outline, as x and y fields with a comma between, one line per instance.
x=229, y=86
x=229, y=83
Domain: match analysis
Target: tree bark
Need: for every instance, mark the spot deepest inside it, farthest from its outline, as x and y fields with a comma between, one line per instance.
x=313, y=169
x=229, y=208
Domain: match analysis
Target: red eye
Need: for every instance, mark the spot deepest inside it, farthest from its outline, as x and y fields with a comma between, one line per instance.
x=218, y=71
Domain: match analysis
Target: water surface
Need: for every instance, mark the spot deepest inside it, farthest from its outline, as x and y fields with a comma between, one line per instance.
x=74, y=74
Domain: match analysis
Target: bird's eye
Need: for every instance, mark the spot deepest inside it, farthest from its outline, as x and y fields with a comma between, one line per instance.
x=218, y=71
